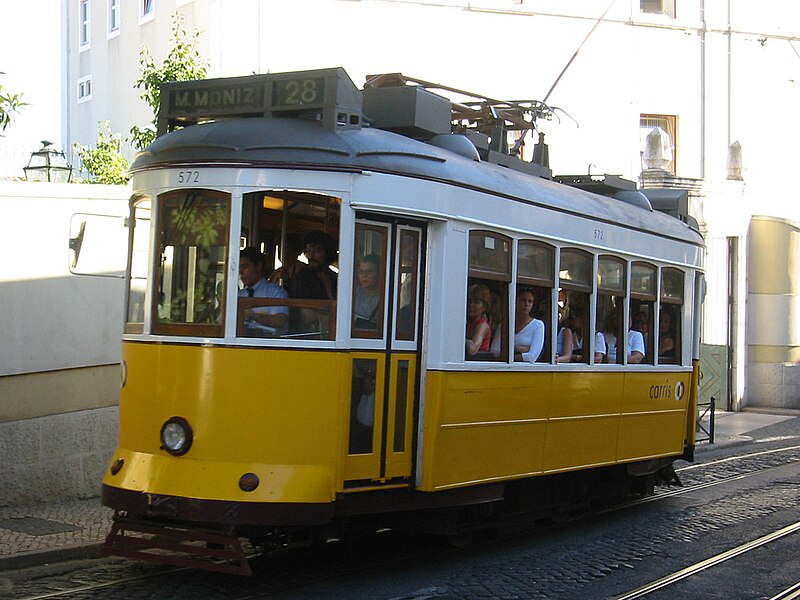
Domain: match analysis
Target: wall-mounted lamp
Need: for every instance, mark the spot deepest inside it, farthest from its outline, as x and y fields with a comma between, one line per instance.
x=48, y=164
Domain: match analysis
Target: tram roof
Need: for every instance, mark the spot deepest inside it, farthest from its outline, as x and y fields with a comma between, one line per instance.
x=294, y=143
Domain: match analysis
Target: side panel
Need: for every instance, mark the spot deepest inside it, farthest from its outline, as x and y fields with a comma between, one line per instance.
x=488, y=426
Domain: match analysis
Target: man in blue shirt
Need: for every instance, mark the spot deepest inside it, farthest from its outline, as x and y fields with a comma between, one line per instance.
x=266, y=321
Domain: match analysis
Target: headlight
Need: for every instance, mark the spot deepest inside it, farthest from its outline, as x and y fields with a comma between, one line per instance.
x=176, y=436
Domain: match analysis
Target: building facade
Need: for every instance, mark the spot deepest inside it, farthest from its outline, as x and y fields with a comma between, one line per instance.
x=714, y=81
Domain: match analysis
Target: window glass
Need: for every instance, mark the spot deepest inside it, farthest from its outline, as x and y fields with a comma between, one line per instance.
x=487, y=297
x=643, y=279
x=406, y=318
x=139, y=258
x=297, y=234
x=609, y=328
x=672, y=284
x=369, y=280
x=489, y=254
x=401, y=399
x=658, y=7
x=192, y=257
x=535, y=267
x=362, y=406
x=83, y=22
x=113, y=15
x=670, y=316
x=535, y=262
x=611, y=274
x=640, y=332
x=576, y=267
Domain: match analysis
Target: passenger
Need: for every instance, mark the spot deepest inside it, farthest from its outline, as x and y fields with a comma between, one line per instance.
x=290, y=265
x=262, y=320
x=479, y=332
x=577, y=337
x=528, y=331
x=600, y=347
x=640, y=324
x=317, y=281
x=666, y=337
x=635, y=346
x=564, y=341
x=363, y=415
x=367, y=301
x=496, y=323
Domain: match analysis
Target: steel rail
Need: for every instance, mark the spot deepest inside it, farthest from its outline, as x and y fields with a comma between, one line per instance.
x=710, y=562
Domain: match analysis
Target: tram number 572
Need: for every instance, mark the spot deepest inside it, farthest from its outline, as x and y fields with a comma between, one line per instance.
x=188, y=177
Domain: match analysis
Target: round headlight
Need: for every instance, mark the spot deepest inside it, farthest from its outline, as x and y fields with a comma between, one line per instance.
x=176, y=436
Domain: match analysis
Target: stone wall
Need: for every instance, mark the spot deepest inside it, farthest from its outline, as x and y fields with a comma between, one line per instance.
x=56, y=457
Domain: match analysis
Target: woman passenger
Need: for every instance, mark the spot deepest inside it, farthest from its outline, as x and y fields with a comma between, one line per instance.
x=528, y=331
x=666, y=338
x=479, y=332
x=367, y=301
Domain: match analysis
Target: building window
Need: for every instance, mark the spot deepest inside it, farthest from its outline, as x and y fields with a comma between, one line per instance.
x=113, y=16
x=659, y=142
x=83, y=23
x=147, y=10
x=85, y=89
x=658, y=7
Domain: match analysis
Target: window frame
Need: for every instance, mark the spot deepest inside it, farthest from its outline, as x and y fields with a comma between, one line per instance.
x=83, y=84
x=500, y=283
x=84, y=25
x=147, y=11
x=114, y=18
x=211, y=330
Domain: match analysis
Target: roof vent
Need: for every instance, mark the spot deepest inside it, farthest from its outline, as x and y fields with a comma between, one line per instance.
x=457, y=143
x=634, y=197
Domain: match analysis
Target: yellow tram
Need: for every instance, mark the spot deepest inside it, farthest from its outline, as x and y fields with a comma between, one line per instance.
x=234, y=425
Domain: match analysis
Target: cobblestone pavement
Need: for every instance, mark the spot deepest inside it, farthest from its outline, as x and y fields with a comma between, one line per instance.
x=52, y=532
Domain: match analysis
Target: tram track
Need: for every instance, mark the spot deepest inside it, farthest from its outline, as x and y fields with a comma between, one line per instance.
x=708, y=563
x=743, y=467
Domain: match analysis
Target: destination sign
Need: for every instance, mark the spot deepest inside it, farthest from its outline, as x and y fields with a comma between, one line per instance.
x=233, y=99
x=305, y=92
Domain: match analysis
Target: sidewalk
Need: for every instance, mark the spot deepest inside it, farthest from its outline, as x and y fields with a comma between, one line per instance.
x=49, y=533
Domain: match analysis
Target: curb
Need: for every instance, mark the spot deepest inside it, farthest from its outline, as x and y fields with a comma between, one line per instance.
x=37, y=558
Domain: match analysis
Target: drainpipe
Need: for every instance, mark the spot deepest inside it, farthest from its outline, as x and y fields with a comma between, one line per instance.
x=702, y=89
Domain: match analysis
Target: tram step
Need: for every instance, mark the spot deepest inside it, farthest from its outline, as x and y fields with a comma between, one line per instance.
x=174, y=545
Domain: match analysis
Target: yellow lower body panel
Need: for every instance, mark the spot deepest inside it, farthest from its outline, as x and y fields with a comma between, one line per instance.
x=207, y=480
x=488, y=426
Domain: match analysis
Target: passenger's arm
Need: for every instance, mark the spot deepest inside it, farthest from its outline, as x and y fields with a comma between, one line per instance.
x=474, y=343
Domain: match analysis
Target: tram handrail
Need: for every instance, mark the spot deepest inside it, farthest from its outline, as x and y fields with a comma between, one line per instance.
x=709, y=410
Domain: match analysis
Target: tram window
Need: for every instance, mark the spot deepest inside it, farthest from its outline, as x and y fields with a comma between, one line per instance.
x=610, y=317
x=575, y=286
x=279, y=223
x=401, y=404
x=535, y=262
x=192, y=262
x=610, y=306
x=489, y=255
x=669, y=318
x=369, y=280
x=408, y=276
x=642, y=310
x=362, y=406
x=488, y=296
x=139, y=259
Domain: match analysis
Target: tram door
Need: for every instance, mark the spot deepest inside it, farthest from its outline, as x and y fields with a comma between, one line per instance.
x=385, y=317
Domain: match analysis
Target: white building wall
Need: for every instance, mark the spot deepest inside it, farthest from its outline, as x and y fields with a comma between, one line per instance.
x=726, y=69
